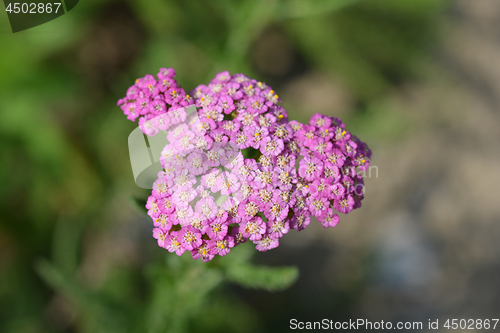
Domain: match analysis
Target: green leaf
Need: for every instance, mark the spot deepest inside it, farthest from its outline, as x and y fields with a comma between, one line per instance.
x=297, y=9
x=262, y=277
x=139, y=204
x=214, y=318
x=66, y=243
x=107, y=315
x=179, y=293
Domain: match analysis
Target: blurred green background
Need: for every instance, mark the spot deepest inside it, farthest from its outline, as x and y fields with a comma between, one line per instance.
x=418, y=80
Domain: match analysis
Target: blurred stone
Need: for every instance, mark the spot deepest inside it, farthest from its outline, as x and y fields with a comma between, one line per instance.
x=317, y=93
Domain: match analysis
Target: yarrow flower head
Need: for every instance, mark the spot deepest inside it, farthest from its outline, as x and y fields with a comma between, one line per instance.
x=237, y=169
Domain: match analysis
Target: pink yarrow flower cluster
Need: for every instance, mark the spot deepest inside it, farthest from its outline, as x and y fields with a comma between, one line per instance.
x=210, y=197
x=154, y=100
